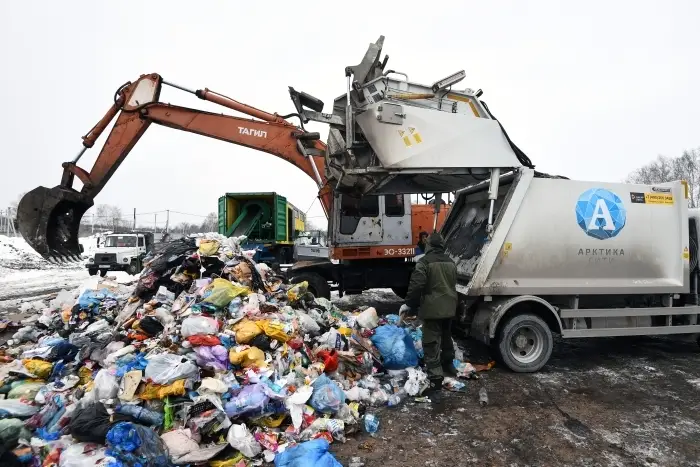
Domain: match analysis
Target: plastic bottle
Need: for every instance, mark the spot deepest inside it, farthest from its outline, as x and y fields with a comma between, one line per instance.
x=483, y=397
x=397, y=398
x=141, y=414
x=371, y=423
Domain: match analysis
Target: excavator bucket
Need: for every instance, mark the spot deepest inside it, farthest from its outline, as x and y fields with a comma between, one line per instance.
x=49, y=219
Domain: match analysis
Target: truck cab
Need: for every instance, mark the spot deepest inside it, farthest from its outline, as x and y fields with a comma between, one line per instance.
x=120, y=252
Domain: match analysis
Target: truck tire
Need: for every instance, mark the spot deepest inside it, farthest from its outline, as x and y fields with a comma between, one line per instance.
x=103, y=272
x=133, y=268
x=525, y=343
x=92, y=272
x=317, y=284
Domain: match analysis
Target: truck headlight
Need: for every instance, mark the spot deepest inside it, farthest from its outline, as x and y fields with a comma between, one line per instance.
x=126, y=260
x=91, y=260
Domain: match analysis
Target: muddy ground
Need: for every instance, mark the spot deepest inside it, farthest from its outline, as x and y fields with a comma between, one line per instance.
x=599, y=402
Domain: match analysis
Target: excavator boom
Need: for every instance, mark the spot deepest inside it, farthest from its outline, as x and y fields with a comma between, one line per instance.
x=49, y=219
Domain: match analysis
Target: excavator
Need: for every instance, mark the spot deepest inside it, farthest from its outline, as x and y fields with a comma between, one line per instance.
x=372, y=236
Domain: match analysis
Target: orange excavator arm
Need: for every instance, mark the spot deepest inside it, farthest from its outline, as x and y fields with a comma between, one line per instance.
x=49, y=218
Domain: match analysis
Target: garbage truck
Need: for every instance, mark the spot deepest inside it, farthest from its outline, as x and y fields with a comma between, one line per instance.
x=268, y=221
x=120, y=252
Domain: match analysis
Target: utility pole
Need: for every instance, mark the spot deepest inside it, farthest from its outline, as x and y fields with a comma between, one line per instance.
x=167, y=219
x=155, y=222
x=134, y=228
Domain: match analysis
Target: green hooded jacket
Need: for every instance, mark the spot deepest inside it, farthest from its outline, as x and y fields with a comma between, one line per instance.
x=432, y=289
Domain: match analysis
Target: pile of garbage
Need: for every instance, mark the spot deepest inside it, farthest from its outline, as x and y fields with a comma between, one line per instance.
x=208, y=359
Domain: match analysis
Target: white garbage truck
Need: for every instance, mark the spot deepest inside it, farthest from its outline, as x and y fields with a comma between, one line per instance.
x=120, y=252
x=537, y=255
x=574, y=258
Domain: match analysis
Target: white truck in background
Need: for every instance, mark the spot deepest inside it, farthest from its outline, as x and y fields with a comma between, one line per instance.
x=120, y=252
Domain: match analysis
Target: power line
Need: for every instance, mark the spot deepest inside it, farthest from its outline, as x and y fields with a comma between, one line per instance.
x=187, y=214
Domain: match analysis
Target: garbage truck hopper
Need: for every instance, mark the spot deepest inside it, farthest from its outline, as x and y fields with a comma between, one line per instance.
x=554, y=236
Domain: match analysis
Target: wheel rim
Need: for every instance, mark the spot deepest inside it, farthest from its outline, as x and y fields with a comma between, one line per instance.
x=526, y=344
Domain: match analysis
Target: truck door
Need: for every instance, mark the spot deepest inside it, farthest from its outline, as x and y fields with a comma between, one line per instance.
x=359, y=219
x=396, y=214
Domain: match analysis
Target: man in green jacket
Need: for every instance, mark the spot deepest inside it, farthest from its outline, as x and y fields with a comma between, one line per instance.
x=432, y=291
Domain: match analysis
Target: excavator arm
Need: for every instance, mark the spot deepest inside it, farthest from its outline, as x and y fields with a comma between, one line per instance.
x=49, y=218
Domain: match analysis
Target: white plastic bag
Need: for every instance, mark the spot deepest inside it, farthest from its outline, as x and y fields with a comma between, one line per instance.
x=193, y=325
x=296, y=402
x=82, y=455
x=368, y=319
x=167, y=368
x=179, y=442
x=106, y=386
x=356, y=393
x=17, y=408
x=417, y=382
x=212, y=386
x=240, y=438
x=307, y=324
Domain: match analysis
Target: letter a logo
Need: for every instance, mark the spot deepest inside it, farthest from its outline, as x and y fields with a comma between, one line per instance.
x=600, y=213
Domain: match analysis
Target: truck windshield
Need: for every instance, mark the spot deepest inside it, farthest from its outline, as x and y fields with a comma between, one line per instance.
x=120, y=241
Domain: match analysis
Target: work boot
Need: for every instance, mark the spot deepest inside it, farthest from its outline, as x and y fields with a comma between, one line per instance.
x=435, y=388
x=449, y=370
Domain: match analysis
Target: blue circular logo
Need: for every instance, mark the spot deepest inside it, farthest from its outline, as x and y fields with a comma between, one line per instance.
x=600, y=213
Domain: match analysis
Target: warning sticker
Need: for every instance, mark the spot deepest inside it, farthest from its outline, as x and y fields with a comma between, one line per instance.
x=686, y=253
x=507, y=246
x=415, y=134
x=406, y=139
x=652, y=198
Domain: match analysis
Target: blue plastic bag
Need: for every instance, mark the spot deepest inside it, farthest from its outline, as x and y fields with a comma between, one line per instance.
x=91, y=299
x=327, y=395
x=312, y=453
x=396, y=347
x=135, y=445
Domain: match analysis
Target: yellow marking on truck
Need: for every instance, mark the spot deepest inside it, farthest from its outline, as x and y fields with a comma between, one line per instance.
x=406, y=139
x=658, y=198
x=415, y=134
x=686, y=253
x=507, y=246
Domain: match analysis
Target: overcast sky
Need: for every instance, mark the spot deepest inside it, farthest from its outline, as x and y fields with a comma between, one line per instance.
x=590, y=90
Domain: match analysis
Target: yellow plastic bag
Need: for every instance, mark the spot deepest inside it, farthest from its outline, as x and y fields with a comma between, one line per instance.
x=208, y=247
x=236, y=461
x=251, y=356
x=297, y=291
x=85, y=375
x=159, y=391
x=246, y=330
x=223, y=291
x=274, y=330
x=39, y=368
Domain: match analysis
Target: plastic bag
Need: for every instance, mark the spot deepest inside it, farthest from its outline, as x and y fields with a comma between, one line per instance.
x=356, y=393
x=274, y=330
x=222, y=292
x=307, y=324
x=417, y=337
x=297, y=291
x=82, y=455
x=312, y=453
x=91, y=299
x=395, y=346
x=252, y=398
x=417, y=382
x=193, y=325
x=368, y=319
x=247, y=357
x=134, y=444
x=179, y=442
x=215, y=357
x=327, y=395
x=40, y=368
x=240, y=438
x=90, y=423
x=335, y=427
x=332, y=339
x=212, y=386
x=246, y=330
x=166, y=368
x=106, y=386
x=11, y=430
x=157, y=391
x=208, y=247
x=18, y=409
x=27, y=390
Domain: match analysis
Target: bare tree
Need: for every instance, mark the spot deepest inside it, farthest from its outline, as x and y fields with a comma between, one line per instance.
x=115, y=217
x=210, y=223
x=666, y=169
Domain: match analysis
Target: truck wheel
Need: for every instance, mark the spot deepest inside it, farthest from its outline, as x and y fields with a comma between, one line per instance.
x=317, y=284
x=133, y=268
x=92, y=272
x=103, y=272
x=525, y=343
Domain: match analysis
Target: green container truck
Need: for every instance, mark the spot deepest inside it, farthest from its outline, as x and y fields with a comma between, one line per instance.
x=268, y=220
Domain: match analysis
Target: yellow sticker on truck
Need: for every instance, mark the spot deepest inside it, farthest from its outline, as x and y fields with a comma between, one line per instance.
x=652, y=198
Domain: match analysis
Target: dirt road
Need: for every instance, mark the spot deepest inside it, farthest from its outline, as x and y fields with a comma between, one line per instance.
x=608, y=402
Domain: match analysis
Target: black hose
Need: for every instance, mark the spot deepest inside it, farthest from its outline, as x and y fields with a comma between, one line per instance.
x=522, y=157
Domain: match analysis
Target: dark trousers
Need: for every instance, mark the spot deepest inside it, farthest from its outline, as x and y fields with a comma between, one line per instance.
x=437, y=345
